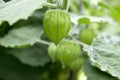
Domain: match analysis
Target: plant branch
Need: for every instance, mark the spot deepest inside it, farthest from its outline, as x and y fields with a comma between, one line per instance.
x=68, y=4
x=81, y=43
x=50, y=5
x=71, y=75
x=44, y=42
x=65, y=4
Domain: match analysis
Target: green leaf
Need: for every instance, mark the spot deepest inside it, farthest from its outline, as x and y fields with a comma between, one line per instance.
x=12, y=69
x=114, y=12
x=94, y=73
x=14, y=10
x=21, y=37
x=35, y=55
x=84, y=20
x=104, y=53
x=76, y=19
x=104, y=5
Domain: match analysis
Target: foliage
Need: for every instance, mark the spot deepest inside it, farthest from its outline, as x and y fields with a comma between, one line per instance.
x=94, y=73
x=104, y=53
x=34, y=55
x=24, y=45
x=19, y=37
x=18, y=9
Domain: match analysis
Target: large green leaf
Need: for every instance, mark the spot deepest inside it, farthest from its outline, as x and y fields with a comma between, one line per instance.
x=21, y=36
x=12, y=69
x=35, y=55
x=93, y=73
x=104, y=53
x=14, y=10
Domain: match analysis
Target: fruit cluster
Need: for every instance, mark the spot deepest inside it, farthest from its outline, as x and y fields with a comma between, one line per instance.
x=56, y=27
x=67, y=52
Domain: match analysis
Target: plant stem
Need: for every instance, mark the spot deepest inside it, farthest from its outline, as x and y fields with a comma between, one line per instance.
x=50, y=5
x=81, y=7
x=71, y=75
x=68, y=4
x=44, y=42
x=65, y=4
x=59, y=3
x=79, y=42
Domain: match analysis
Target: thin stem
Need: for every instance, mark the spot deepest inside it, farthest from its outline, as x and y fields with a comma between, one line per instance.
x=81, y=7
x=81, y=43
x=65, y=5
x=68, y=4
x=50, y=5
x=71, y=75
x=44, y=42
x=59, y=3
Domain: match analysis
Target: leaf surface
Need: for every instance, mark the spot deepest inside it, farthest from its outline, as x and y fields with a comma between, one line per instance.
x=94, y=73
x=34, y=56
x=15, y=10
x=21, y=37
x=104, y=53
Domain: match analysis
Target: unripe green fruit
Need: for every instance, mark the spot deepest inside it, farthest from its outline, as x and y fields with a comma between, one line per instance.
x=56, y=24
x=77, y=64
x=87, y=36
x=52, y=52
x=67, y=51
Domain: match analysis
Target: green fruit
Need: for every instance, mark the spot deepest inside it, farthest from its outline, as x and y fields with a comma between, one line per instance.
x=67, y=51
x=77, y=64
x=87, y=36
x=56, y=24
x=52, y=52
